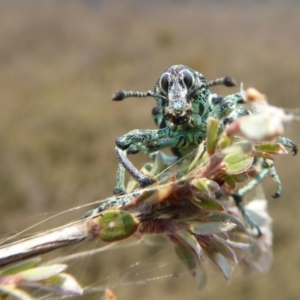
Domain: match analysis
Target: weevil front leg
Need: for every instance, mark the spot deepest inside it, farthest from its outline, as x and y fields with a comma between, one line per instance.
x=177, y=140
x=138, y=137
x=125, y=163
x=130, y=143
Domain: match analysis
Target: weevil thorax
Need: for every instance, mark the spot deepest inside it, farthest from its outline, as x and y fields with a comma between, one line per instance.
x=174, y=84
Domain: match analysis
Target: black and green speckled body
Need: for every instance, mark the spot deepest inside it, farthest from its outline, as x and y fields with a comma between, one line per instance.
x=184, y=103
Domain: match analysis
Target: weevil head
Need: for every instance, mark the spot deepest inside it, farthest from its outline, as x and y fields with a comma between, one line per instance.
x=174, y=84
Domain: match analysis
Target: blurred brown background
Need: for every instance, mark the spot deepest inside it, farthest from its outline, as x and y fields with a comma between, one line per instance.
x=60, y=61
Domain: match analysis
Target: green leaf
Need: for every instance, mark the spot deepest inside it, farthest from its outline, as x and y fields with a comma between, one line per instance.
x=14, y=292
x=199, y=156
x=206, y=186
x=42, y=273
x=208, y=204
x=224, y=141
x=271, y=148
x=21, y=266
x=240, y=177
x=200, y=276
x=200, y=185
x=63, y=284
x=238, y=163
x=225, y=250
x=203, y=188
x=208, y=228
x=116, y=225
x=236, y=245
x=230, y=181
x=225, y=217
x=212, y=135
x=191, y=242
x=221, y=263
x=186, y=256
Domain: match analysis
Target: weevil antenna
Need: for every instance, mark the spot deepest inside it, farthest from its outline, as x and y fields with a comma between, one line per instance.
x=121, y=95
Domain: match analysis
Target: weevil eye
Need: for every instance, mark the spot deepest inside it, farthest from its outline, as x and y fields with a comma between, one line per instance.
x=164, y=83
x=188, y=79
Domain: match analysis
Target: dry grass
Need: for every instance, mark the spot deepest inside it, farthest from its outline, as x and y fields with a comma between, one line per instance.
x=60, y=63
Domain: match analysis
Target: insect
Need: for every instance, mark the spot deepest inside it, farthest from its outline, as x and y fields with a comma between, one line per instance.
x=184, y=104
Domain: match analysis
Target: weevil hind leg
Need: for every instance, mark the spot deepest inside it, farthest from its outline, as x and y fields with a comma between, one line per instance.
x=268, y=168
x=238, y=199
x=274, y=175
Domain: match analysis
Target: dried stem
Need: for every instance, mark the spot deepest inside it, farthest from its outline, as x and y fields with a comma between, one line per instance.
x=76, y=232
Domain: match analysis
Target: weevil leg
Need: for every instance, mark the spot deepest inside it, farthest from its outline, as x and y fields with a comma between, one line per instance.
x=179, y=140
x=268, y=169
x=254, y=182
x=125, y=164
x=131, y=143
x=238, y=199
x=288, y=143
x=141, y=137
x=267, y=163
x=115, y=201
x=120, y=186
